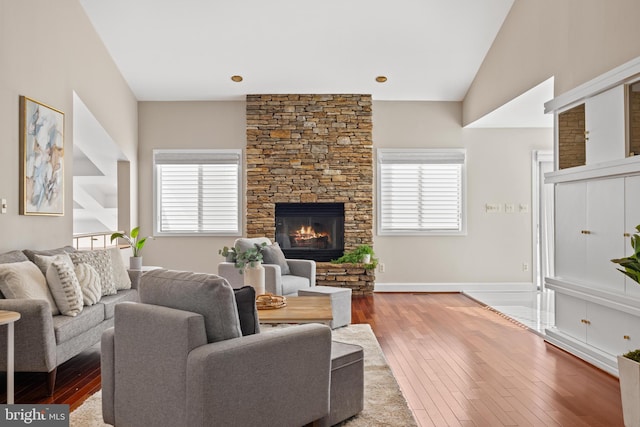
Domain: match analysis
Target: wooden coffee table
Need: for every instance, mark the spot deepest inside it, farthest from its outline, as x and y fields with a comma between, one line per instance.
x=300, y=310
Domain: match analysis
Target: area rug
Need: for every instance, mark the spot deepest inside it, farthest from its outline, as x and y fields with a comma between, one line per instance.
x=384, y=404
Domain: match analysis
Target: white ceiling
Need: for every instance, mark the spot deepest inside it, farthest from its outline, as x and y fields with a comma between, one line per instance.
x=188, y=50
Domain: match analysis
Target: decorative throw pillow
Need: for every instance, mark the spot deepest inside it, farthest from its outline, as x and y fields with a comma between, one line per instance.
x=64, y=287
x=101, y=261
x=120, y=274
x=44, y=261
x=30, y=253
x=89, y=282
x=12, y=256
x=25, y=280
x=247, y=311
x=272, y=254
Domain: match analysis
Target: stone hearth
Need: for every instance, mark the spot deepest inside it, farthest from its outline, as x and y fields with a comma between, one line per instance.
x=354, y=276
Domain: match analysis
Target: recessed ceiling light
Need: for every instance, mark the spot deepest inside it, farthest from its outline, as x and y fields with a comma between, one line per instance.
x=236, y=79
x=381, y=79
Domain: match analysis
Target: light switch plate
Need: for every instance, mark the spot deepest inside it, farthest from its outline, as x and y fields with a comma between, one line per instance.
x=4, y=206
x=492, y=207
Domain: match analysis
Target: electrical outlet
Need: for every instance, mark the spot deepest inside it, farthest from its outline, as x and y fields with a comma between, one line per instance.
x=525, y=266
x=509, y=208
x=381, y=267
x=524, y=208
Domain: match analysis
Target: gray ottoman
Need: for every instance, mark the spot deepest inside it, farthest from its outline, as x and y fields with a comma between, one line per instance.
x=347, y=383
x=340, y=302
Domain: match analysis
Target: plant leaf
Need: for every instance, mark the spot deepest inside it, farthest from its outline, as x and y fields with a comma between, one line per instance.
x=115, y=236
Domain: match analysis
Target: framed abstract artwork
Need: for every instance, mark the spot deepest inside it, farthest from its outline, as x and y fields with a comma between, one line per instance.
x=41, y=159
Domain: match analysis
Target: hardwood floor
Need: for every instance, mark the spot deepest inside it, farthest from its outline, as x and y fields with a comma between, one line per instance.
x=457, y=362
x=461, y=364
x=76, y=380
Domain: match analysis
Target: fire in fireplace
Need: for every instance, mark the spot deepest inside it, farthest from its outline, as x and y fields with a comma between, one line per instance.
x=307, y=237
x=310, y=230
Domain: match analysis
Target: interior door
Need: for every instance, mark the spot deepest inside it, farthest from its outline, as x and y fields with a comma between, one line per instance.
x=544, y=223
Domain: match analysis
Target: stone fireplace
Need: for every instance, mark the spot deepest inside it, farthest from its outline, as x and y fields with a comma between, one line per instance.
x=311, y=149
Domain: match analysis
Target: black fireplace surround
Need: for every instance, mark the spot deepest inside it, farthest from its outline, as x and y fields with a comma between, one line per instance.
x=310, y=230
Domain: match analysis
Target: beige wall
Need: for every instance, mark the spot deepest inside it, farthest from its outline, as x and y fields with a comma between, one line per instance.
x=48, y=49
x=172, y=125
x=573, y=40
x=499, y=171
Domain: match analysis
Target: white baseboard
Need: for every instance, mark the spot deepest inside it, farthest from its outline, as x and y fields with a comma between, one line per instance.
x=596, y=357
x=454, y=287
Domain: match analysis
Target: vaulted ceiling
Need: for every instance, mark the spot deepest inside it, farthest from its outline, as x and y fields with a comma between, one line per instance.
x=189, y=49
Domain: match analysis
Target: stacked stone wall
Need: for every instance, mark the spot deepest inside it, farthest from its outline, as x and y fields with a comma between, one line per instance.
x=361, y=281
x=310, y=149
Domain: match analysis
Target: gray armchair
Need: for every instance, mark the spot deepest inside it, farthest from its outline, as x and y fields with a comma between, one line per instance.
x=178, y=359
x=301, y=274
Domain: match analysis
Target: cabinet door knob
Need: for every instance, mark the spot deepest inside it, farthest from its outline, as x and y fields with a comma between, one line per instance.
x=585, y=321
x=627, y=234
x=627, y=337
x=585, y=232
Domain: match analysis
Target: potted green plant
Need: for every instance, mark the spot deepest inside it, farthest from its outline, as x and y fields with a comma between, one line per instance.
x=362, y=254
x=629, y=363
x=249, y=263
x=251, y=258
x=631, y=264
x=136, y=243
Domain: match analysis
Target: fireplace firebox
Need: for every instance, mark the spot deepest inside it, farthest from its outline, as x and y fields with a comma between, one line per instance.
x=310, y=230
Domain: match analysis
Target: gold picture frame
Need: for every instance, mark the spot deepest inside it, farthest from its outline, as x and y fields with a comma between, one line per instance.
x=41, y=159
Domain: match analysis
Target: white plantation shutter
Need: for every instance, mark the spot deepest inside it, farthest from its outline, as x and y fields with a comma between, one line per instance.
x=197, y=191
x=420, y=191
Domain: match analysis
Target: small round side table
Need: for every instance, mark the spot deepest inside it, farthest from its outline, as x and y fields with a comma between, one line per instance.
x=8, y=318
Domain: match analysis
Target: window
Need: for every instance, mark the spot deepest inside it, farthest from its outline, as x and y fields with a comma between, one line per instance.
x=197, y=192
x=421, y=191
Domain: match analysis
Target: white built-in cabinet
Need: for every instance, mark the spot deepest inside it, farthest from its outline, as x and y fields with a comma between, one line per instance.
x=604, y=123
x=589, y=232
x=631, y=220
x=597, y=207
x=605, y=329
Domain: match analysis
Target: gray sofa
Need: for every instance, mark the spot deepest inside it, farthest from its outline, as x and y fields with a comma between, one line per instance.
x=44, y=341
x=178, y=358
